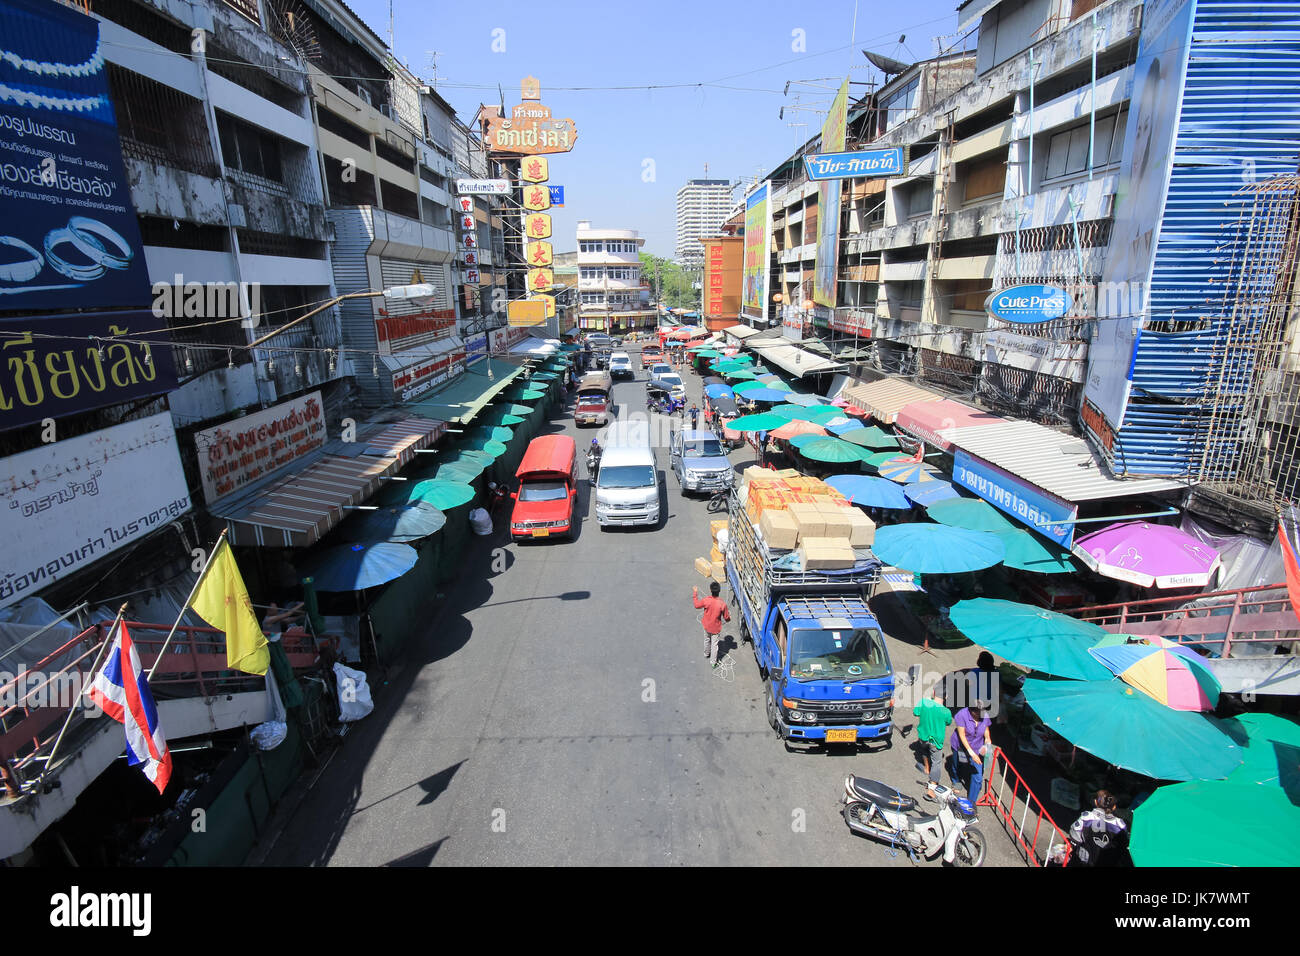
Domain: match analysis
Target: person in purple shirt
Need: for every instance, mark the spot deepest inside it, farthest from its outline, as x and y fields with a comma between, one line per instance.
x=970, y=743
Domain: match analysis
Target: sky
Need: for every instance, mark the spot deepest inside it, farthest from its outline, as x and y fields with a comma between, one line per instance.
x=727, y=62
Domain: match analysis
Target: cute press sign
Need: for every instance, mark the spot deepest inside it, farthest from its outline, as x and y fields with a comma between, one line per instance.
x=1029, y=304
x=238, y=452
x=530, y=129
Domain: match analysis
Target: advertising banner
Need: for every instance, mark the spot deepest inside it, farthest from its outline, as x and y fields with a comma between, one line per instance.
x=828, y=205
x=862, y=164
x=758, y=240
x=483, y=187
x=49, y=376
x=1026, y=503
x=1139, y=204
x=70, y=503
x=69, y=237
x=237, y=453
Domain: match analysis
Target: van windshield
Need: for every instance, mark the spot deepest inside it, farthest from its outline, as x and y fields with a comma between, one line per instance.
x=837, y=655
x=626, y=476
x=543, y=491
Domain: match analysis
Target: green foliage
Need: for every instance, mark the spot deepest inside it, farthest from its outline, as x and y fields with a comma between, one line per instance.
x=674, y=285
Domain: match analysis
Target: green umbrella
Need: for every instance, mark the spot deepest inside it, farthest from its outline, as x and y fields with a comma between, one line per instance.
x=526, y=395
x=724, y=368
x=870, y=437
x=763, y=422
x=458, y=471
x=708, y=353
x=738, y=373
x=1124, y=727
x=509, y=408
x=1031, y=636
x=488, y=445
x=787, y=411
x=494, y=432
x=1028, y=552
x=1216, y=823
x=831, y=450
x=443, y=495
x=971, y=514
x=1271, y=750
x=817, y=414
x=743, y=387
x=501, y=419
x=543, y=377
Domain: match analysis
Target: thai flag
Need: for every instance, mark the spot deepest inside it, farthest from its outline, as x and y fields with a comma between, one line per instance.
x=122, y=692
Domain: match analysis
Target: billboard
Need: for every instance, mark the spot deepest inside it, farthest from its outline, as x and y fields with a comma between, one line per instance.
x=758, y=243
x=238, y=452
x=828, y=204
x=48, y=375
x=69, y=239
x=863, y=164
x=70, y=503
x=1139, y=204
x=530, y=129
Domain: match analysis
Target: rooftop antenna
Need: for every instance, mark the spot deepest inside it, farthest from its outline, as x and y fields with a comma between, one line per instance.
x=433, y=63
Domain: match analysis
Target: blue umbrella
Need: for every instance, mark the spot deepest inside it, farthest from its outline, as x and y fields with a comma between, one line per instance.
x=904, y=472
x=355, y=567
x=719, y=391
x=840, y=426
x=936, y=549
x=869, y=492
x=409, y=522
x=926, y=493
x=1031, y=636
x=765, y=395
x=1126, y=728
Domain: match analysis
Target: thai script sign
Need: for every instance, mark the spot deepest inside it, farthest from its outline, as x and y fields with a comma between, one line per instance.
x=862, y=164
x=1029, y=505
x=418, y=379
x=483, y=187
x=241, y=451
x=67, y=504
x=530, y=129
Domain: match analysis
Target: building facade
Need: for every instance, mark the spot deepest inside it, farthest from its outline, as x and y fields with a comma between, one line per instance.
x=611, y=294
x=702, y=206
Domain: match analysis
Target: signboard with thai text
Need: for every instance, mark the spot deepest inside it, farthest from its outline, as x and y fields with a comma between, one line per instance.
x=483, y=187
x=1028, y=504
x=530, y=129
x=239, y=452
x=864, y=163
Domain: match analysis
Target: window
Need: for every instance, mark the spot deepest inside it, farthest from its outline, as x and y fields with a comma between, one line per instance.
x=985, y=177
x=591, y=272
x=589, y=247
x=543, y=491
x=899, y=106
x=1067, y=151
x=617, y=272
x=593, y=298
x=249, y=149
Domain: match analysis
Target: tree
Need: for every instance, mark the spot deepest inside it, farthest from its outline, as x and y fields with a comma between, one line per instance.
x=674, y=284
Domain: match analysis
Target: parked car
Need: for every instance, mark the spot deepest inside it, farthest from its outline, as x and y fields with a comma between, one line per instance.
x=661, y=368
x=620, y=365
x=548, y=487
x=699, y=461
x=651, y=355
x=594, y=404
x=670, y=382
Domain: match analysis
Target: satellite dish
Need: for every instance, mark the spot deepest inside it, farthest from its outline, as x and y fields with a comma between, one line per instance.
x=888, y=65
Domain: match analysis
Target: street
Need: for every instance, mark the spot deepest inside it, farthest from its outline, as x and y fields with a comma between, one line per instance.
x=559, y=711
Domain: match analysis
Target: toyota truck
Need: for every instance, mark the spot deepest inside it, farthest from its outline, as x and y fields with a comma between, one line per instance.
x=821, y=653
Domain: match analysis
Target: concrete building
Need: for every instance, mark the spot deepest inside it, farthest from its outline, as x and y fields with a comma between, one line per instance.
x=611, y=294
x=702, y=206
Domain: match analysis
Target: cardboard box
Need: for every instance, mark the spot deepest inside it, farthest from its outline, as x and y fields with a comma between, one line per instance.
x=780, y=530
x=715, y=555
x=716, y=526
x=836, y=520
x=808, y=518
x=786, y=473
x=862, y=530
x=826, y=554
x=720, y=572
x=704, y=566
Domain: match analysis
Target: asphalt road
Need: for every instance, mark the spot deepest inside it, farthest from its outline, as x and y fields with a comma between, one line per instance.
x=560, y=711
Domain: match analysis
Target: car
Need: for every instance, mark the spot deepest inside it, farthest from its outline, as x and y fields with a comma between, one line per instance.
x=661, y=368
x=651, y=355
x=699, y=461
x=599, y=340
x=671, y=383
x=620, y=365
x=548, y=487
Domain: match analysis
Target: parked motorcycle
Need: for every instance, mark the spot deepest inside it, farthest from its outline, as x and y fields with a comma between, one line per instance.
x=497, y=494
x=879, y=811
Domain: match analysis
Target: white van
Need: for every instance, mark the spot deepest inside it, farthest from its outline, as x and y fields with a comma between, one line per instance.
x=627, y=485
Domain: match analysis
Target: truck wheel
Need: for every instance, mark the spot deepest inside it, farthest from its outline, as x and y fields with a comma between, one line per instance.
x=772, y=717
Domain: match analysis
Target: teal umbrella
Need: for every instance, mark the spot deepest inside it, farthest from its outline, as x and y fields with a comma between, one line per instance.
x=443, y=495
x=501, y=419
x=404, y=523
x=706, y=353
x=355, y=567
x=935, y=549
x=525, y=395
x=1028, y=552
x=466, y=468
x=1124, y=727
x=832, y=450
x=800, y=440
x=875, y=461
x=870, y=437
x=458, y=471
x=489, y=445
x=1185, y=825
x=1271, y=751
x=1032, y=637
x=763, y=422
x=509, y=408
x=543, y=377
x=971, y=514
x=817, y=414
x=738, y=373
x=493, y=432
x=798, y=398
x=744, y=387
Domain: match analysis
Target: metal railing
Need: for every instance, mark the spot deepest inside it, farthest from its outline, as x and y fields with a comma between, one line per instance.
x=1021, y=813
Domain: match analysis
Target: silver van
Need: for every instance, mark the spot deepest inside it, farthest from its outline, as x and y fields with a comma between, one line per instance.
x=627, y=485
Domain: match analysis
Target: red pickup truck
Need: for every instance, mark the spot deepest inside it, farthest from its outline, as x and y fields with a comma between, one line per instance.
x=548, y=486
x=651, y=355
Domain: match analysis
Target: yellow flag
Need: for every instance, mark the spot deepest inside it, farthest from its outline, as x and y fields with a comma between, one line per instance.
x=222, y=601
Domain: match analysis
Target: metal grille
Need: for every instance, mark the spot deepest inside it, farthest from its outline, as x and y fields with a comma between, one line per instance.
x=954, y=372
x=1253, y=395
x=1068, y=256
x=1029, y=395
x=158, y=124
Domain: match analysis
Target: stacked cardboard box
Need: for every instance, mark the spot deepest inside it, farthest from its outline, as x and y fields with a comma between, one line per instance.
x=825, y=553
x=780, y=530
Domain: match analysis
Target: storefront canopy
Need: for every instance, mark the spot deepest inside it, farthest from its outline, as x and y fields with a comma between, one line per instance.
x=465, y=396
x=885, y=398
x=794, y=360
x=934, y=421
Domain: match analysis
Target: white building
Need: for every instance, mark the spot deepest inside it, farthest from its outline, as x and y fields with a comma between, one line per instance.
x=611, y=294
x=703, y=205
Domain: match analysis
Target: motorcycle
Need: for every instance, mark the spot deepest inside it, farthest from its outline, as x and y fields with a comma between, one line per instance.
x=879, y=811
x=497, y=493
x=593, y=464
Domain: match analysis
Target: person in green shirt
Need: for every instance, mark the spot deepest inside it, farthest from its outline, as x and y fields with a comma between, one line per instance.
x=931, y=726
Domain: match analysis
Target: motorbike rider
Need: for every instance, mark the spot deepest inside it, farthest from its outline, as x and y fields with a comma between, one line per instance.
x=593, y=457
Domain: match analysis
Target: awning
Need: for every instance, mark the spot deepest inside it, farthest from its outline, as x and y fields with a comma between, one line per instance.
x=794, y=360
x=421, y=353
x=536, y=346
x=297, y=507
x=464, y=397
x=742, y=332
x=885, y=398
x=933, y=422
x=1061, y=464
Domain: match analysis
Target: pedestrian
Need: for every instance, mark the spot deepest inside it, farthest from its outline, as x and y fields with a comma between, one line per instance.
x=1097, y=832
x=970, y=742
x=932, y=722
x=695, y=416
x=980, y=682
x=715, y=612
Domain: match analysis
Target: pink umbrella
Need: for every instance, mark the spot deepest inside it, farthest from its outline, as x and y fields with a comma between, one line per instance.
x=1148, y=555
x=796, y=427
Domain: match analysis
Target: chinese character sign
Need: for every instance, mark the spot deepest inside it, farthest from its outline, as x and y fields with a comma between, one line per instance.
x=540, y=279
x=539, y=254
x=534, y=169
x=537, y=197
x=537, y=226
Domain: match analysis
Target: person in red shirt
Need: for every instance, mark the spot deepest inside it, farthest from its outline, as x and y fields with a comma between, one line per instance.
x=715, y=612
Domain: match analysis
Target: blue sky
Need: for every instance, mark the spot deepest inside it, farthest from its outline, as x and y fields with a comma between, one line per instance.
x=748, y=50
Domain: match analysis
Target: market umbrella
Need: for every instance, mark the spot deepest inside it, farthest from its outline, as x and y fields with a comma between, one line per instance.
x=1123, y=726
x=935, y=549
x=525, y=395
x=706, y=353
x=739, y=373
x=355, y=567
x=832, y=450
x=764, y=395
x=773, y=381
x=570, y=347
x=801, y=398
x=1271, y=751
x=927, y=492
x=763, y=422
x=869, y=492
x=740, y=388
x=796, y=428
x=971, y=514
x=478, y=443
x=1026, y=551
x=510, y=408
x=842, y=426
x=409, y=522
x=543, y=377
x=493, y=432
x=869, y=436
x=1031, y=636
x=904, y=472
x=501, y=419
x=458, y=471
x=818, y=414
x=1148, y=555
x=880, y=458
x=443, y=495
x=798, y=441
x=718, y=391
x=1185, y=825
x=1165, y=671
x=713, y=380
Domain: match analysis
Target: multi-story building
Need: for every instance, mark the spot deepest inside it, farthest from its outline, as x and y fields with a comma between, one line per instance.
x=611, y=294
x=702, y=206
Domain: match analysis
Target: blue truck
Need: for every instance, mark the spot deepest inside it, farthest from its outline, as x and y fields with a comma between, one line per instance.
x=825, y=666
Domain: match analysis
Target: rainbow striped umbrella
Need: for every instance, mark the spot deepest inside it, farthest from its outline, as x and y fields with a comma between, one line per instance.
x=904, y=472
x=1162, y=669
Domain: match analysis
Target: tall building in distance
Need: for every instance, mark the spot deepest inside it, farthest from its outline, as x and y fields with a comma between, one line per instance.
x=702, y=206
x=612, y=297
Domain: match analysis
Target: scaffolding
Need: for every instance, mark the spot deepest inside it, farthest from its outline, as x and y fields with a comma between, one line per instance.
x=1252, y=430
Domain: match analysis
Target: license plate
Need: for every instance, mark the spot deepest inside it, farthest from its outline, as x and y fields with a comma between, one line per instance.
x=844, y=736
x=540, y=534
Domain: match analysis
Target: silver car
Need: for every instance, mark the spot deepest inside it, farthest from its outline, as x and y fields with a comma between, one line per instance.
x=699, y=461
